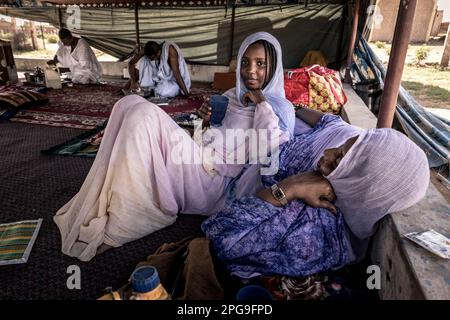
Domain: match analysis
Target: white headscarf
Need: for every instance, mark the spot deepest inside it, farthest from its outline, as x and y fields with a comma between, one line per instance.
x=274, y=90
x=165, y=71
x=383, y=172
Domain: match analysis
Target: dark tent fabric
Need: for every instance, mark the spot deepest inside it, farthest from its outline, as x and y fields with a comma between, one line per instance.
x=204, y=33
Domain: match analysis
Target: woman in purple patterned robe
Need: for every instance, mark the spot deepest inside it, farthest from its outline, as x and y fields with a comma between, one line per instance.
x=339, y=181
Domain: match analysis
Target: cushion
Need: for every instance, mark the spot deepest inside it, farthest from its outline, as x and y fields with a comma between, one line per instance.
x=314, y=57
x=17, y=239
x=224, y=80
x=14, y=101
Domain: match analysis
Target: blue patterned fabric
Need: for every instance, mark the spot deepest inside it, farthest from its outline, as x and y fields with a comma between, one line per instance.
x=253, y=237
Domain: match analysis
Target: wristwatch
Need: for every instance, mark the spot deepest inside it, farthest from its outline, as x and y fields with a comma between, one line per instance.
x=278, y=194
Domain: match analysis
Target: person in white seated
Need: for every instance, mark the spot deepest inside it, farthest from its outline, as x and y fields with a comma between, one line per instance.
x=161, y=67
x=76, y=54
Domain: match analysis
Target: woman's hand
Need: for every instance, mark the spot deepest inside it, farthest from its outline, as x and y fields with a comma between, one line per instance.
x=204, y=111
x=310, y=187
x=255, y=96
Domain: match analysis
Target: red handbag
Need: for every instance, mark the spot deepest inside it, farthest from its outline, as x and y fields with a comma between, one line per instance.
x=315, y=87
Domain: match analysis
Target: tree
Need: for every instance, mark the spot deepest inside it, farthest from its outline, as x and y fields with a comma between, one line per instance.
x=34, y=41
x=13, y=28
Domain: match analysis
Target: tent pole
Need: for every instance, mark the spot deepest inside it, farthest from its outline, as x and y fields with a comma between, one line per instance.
x=136, y=22
x=60, y=18
x=396, y=64
x=446, y=53
x=232, y=32
x=351, y=44
x=340, y=45
x=42, y=35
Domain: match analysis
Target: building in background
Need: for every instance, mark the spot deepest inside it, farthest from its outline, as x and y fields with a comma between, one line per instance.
x=429, y=20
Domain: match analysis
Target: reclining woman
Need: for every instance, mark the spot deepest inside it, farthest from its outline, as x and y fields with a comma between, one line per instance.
x=367, y=174
x=138, y=184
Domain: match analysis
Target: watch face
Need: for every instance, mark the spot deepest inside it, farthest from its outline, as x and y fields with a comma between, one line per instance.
x=278, y=194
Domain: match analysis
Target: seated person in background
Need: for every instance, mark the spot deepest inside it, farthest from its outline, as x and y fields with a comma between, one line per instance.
x=76, y=54
x=370, y=173
x=160, y=67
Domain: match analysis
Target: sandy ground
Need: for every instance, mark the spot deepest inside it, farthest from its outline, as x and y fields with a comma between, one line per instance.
x=443, y=113
x=434, y=56
x=50, y=50
x=429, y=84
x=440, y=186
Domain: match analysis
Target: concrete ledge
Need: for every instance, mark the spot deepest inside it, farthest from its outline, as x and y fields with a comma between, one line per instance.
x=407, y=270
x=355, y=110
x=199, y=73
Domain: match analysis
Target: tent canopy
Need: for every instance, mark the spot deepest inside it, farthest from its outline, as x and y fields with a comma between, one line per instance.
x=170, y=3
x=207, y=34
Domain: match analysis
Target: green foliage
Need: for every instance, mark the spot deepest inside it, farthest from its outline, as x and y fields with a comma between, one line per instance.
x=52, y=38
x=6, y=36
x=21, y=41
x=422, y=53
x=380, y=44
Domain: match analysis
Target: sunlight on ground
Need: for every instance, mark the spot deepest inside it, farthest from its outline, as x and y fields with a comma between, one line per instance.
x=50, y=51
x=427, y=83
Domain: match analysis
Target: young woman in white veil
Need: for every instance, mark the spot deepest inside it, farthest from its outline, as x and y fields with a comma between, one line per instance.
x=137, y=183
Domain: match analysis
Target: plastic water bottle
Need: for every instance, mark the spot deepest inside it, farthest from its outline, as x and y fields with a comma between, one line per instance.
x=146, y=285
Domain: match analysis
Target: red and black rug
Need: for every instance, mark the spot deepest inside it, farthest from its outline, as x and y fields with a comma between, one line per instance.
x=80, y=106
x=88, y=143
x=88, y=106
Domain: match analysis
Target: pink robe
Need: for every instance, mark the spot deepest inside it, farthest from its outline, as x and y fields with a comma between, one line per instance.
x=135, y=187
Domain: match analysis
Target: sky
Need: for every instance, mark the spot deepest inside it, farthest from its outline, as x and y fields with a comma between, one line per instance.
x=445, y=5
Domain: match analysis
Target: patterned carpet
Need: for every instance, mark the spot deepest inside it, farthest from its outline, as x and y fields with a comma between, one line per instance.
x=35, y=186
x=32, y=186
x=87, y=143
x=80, y=106
x=88, y=106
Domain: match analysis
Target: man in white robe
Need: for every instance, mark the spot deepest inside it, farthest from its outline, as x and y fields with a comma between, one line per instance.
x=76, y=54
x=160, y=67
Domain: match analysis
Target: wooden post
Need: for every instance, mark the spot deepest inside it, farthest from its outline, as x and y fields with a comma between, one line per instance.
x=351, y=44
x=42, y=35
x=13, y=40
x=397, y=59
x=446, y=53
x=136, y=22
x=60, y=18
x=34, y=42
x=233, y=10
